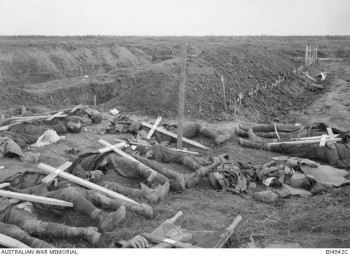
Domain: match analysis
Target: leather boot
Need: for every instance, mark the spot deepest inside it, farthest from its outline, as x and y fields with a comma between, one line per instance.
x=178, y=184
x=248, y=144
x=126, y=191
x=241, y=133
x=154, y=196
x=254, y=138
x=222, y=138
x=108, y=221
x=63, y=231
x=191, y=163
x=193, y=179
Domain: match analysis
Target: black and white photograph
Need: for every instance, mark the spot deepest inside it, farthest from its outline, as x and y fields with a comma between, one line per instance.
x=179, y=124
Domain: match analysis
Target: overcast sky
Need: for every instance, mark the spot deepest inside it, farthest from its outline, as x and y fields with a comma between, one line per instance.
x=175, y=17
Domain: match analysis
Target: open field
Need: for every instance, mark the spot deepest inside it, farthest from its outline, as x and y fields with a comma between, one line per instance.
x=139, y=76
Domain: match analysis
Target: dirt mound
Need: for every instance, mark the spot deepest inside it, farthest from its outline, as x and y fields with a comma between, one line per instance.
x=155, y=91
x=36, y=63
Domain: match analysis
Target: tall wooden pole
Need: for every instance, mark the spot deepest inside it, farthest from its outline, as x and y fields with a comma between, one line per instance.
x=223, y=88
x=182, y=94
x=307, y=55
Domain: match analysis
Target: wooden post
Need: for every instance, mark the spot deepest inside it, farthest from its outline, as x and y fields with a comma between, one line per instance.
x=316, y=52
x=223, y=88
x=95, y=100
x=307, y=55
x=310, y=53
x=182, y=94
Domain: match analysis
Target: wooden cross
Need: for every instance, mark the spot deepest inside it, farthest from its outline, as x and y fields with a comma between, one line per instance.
x=330, y=132
x=55, y=115
x=119, y=152
x=54, y=174
x=156, y=123
x=175, y=136
x=87, y=184
x=323, y=140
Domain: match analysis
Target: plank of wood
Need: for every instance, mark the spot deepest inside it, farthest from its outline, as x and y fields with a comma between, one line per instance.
x=87, y=184
x=317, y=137
x=330, y=132
x=159, y=239
x=27, y=118
x=4, y=185
x=37, y=199
x=55, y=115
x=183, y=237
x=184, y=151
x=307, y=75
x=175, y=136
x=171, y=221
x=181, y=107
x=298, y=142
x=107, y=149
x=5, y=128
x=229, y=232
x=75, y=108
x=323, y=140
x=118, y=151
x=156, y=123
x=132, y=143
x=223, y=88
x=10, y=242
x=54, y=174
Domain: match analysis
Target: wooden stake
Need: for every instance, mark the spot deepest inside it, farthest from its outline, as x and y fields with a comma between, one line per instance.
x=95, y=100
x=181, y=94
x=223, y=88
x=307, y=55
x=299, y=142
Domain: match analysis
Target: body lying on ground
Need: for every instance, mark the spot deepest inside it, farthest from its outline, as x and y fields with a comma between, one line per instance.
x=284, y=131
x=334, y=154
x=26, y=181
x=17, y=220
x=190, y=130
x=93, y=161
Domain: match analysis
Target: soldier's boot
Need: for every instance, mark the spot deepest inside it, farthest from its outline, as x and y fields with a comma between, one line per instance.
x=191, y=163
x=223, y=138
x=254, y=138
x=193, y=179
x=156, y=195
x=59, y=230
x=177, y=180
x=152, y=195
x=202, y=161
x=255, y=145
x=108, y=221
x=241, y=133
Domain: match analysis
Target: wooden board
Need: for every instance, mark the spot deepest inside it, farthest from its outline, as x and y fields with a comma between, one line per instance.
x=175, y=136
x=159, y=239
x=156, y=123
x=323, y=140
x=87, y=184
x=75, y=108
x=330, y=132
x=5, y=128
x=54, y=174
x=10, y=242
x=4, y=185
x=229, y=231
x=299, y=142
x=55, y=115
x=37, y=199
